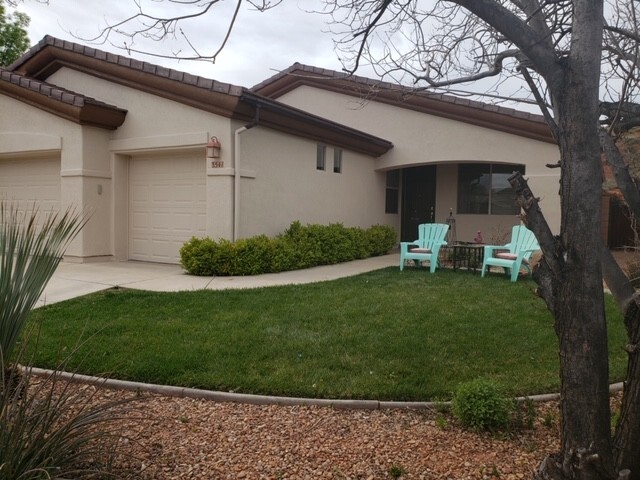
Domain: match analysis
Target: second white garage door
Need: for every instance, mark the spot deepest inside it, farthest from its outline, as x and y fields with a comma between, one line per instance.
x=167, y=205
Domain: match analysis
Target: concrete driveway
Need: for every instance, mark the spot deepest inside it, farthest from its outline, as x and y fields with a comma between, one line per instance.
x=76, y=279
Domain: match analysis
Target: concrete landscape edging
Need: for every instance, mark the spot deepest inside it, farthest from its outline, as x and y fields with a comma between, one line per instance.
x=246, y=398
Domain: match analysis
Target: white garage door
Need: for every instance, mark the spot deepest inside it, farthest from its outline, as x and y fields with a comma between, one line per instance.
x=167, y=205
x=31, y=181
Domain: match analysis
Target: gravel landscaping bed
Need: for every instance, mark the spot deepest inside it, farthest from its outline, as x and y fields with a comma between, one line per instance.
x=181, y=438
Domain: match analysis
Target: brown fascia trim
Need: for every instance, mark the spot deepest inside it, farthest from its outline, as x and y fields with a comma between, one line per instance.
x=200, y=95
x=517, y=123
x=83, y=113
x=204, y=94
x=289, y=119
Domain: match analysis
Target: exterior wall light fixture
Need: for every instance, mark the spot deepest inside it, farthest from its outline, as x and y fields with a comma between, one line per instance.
x=213, y=152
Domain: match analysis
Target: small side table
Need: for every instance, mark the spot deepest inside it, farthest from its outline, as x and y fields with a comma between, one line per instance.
x=465, y=255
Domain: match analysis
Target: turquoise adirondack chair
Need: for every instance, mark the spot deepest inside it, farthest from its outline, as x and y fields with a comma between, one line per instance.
x=514, y=255
x=426, y=248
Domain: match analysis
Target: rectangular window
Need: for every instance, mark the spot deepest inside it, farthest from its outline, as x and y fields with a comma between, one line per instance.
x=321, y=156
x=337, y=160
x=483, y=188
x=392, y=192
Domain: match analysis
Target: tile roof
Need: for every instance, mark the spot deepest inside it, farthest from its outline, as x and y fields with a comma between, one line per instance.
x=237, y=103
x=60, y=101
x=462, y=109
x=52, y=91
x=130, y=63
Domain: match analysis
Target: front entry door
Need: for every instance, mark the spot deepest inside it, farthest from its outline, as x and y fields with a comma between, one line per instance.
x=418, y=199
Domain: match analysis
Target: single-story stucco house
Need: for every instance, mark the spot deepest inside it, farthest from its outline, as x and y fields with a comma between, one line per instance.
x=126, y=140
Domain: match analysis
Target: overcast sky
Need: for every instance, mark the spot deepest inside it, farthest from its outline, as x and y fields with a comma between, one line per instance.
x=260, y=45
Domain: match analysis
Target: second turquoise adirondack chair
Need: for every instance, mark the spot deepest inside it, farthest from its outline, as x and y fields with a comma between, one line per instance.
x=426, y=248
x=513, y=255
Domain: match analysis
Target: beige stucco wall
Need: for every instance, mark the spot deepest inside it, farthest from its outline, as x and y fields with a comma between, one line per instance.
x=154, y=124
x=287, y=186
x=278, y=180
x=84, y=163
x=26, y=129
x=421, y=139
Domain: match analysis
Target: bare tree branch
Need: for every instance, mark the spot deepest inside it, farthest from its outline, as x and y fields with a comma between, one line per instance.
x=495, y=70
x=159, y=27
x=555, y=131
x=366, y=31
x=532, y=45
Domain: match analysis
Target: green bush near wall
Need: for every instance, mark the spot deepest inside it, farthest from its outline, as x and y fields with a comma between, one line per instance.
x=300, y=246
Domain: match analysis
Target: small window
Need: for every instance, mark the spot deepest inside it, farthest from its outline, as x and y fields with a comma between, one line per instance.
x=321, y=157
x=484, y=188
x=391, y=204
x=337, y=160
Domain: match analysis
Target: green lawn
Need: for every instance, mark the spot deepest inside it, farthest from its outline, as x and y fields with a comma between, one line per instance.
x=382, y=335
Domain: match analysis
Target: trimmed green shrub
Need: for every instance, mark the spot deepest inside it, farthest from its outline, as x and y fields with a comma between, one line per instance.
x=299, y=246
x=196, y=256
x=333, y=243
x=361, y=246
x=205, y=256
x=382, y=238
x=481, y=405
x=253, y=255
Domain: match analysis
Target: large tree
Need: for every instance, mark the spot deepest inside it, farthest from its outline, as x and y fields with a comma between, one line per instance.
x=14, y=40
x=579, y=61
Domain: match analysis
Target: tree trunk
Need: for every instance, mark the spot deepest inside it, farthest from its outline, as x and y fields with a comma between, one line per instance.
x=579, y=308
x=627, y=436
x=570, y=281
x=586, y=447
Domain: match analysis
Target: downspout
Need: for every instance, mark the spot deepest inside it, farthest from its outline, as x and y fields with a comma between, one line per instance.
x=236, y=172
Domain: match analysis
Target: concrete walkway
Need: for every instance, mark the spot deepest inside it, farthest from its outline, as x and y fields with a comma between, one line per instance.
x=76, y=279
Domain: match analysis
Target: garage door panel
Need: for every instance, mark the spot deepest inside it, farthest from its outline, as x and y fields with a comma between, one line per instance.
x=140, y=193
x=184, y=194
x=185, y=222
x=141, y=221
x=167, y=206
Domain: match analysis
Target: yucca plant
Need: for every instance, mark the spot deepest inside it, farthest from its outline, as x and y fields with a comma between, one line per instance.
x=49, y=427
x=31, y=247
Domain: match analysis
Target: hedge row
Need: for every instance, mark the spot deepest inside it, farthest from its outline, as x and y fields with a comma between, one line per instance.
x=298, y=247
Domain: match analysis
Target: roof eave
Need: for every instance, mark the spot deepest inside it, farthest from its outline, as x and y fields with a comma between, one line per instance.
x=219, y=98
x=285, y=118
x=86, y=114
x=297, y=76
x=51, y=58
